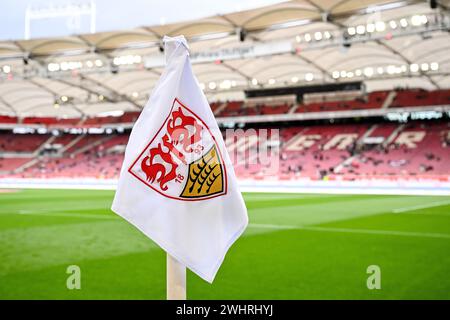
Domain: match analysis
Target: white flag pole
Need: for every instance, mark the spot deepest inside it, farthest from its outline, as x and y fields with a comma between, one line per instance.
x=176, y=279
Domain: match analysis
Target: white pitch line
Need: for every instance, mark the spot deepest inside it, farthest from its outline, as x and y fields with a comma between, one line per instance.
x=273, y=226
x=359, y=231
x=423, y=206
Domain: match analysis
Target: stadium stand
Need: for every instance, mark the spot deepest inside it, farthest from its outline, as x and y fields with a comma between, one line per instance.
x=10, y=164
x=373, y=100
x=418, y=97
x=7, y=119
x=385, y=150
x=339, y=151
x=419, y=149
x=13, y=143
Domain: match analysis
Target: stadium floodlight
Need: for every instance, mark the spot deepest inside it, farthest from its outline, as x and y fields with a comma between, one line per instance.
x=403, y=22
x=393, y=24
x=390, y=69
x=309, y=76
x=350, y=74
x=212, y=85
x=89, y=64
x=254, y=81
x=414, y=67
x=298, y=38
x=343, y=74
x=56, y=105
x=98, y=62
x=335, y=74
x=307, y=37
x=318, y=35
x=424, y=19
x=64, y=66
x=351, y=31
x=424, y=67
x=358, y=72
x=64, y=98
x=380, y=26
x=380, y=70
x=6, y=68
x=327, y=34
x=418, y=20
x=202, y=86
x=370, y=27
x=361, y=29
x=135, y=94
x=368, y=71
x=434, y=66
x=272, y=81
x=294, y=79
x=128, y=59
x=226, y=84
x=233, y=83
x=53, y=67
x=101, y=97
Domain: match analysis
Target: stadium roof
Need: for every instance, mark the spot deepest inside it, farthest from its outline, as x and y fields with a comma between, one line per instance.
x=386, y=44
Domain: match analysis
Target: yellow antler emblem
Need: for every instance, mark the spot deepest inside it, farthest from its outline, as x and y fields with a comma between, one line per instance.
x=205, y=176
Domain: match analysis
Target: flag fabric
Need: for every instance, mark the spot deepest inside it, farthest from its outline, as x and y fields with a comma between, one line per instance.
x=177, y=185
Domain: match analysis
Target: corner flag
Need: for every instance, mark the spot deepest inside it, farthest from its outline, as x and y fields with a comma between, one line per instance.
x=177, y=184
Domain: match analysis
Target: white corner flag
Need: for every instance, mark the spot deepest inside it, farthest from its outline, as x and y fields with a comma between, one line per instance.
x=177, y=184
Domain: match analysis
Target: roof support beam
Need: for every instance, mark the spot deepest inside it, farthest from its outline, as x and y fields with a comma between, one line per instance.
x=9, y=106
x=331, y=20
x=55, y=94
x=242, y=74
x=122, y=97
x=407, y=61
x=315, y=65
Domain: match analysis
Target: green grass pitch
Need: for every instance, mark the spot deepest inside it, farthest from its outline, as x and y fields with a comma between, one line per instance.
x=297, y=246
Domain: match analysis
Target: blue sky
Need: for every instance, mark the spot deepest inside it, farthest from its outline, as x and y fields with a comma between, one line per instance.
x=113, y=15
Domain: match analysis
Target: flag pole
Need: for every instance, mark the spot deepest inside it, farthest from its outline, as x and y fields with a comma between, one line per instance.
x=176, y=279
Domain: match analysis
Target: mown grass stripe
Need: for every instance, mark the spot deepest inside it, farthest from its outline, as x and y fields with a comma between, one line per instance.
x=351, y=230
x=423, y=206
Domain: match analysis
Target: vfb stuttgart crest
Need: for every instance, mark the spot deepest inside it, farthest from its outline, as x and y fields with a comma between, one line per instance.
x=182, y=161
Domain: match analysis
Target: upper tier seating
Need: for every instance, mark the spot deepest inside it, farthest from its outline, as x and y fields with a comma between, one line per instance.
x=373, y=100
x=415, y=98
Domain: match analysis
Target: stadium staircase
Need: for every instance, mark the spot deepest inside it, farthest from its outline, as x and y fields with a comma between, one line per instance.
x=293, y=108
x=359, y=142
x=71, y=144
x=220, y=108
x=389, y=99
